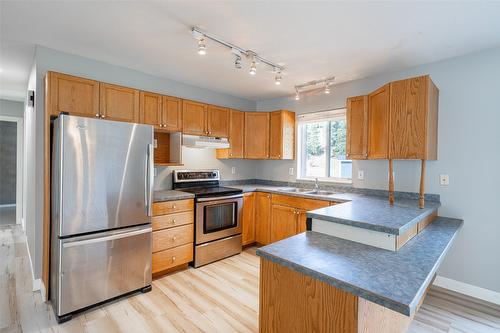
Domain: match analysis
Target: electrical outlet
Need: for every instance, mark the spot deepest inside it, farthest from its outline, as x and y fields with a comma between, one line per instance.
x=290, y=171
x=444, y=180
x=361, y=175
x=233, y=170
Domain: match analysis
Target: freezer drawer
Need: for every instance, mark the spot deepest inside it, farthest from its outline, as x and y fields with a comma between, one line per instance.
x=101, y=266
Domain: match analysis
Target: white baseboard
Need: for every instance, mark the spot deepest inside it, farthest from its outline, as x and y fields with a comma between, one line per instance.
x=7, y=205
x=468, y=289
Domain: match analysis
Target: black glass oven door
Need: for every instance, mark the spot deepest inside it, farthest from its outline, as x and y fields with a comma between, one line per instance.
x=219, y=217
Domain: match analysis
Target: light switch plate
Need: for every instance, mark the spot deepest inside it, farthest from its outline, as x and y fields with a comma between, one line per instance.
x=361, y=175
x=444, y=180
x=290, y=171
x=233, y=170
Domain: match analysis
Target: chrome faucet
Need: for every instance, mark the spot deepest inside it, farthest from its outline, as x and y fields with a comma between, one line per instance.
x=316, y=185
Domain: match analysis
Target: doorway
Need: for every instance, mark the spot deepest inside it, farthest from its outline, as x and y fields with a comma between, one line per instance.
x=11, y=133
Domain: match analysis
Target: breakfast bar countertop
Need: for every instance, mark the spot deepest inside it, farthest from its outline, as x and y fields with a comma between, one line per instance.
x=394, y=279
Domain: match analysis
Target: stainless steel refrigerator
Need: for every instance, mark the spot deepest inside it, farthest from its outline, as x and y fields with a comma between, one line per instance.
x=102, y=183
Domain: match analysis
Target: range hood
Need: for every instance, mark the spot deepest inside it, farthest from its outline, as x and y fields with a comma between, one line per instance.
x=195, y=141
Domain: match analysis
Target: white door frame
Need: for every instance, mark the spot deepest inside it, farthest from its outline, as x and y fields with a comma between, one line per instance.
x=19, y=164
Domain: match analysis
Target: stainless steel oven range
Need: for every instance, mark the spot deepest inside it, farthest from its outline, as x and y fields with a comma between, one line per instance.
x=218, y=212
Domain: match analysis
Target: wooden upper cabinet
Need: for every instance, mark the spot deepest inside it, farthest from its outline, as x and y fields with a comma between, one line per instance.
x=262, y=218
x=248, y=219
x=357, y=128
x=75, y=95
x=256, y=135
x=194, y=118
x=283, y=222
x=236, y=136
x=413, y=119
x=150, y=109
x=378, y=123
x=282, y=135
x=218, y=121
x=119, y=103
x=172, y=113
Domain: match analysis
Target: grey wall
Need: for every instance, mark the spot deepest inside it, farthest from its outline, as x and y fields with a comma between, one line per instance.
x=51, y=60
x=469, y=147
x=8, y=156
x=11, y=108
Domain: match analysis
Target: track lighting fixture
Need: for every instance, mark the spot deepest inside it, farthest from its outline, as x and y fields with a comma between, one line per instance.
x=238, y=52
x=202, y=48
x=313, y=85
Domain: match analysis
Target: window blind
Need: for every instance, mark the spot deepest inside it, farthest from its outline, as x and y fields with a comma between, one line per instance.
x=336, y=114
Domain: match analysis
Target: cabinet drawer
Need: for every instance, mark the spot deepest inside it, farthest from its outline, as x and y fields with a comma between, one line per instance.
x=169, y=238
x=298, y=202
x=172, y=220
x=173, y=257
x=169, y=207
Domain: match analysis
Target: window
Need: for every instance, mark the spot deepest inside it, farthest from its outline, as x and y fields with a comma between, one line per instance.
x=322, y=146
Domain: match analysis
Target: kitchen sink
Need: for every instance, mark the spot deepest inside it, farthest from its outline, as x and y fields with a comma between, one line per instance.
x=296, y=190
x=321, y=192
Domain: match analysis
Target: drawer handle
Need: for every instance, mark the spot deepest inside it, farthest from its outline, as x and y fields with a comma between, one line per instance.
x=173, y=259
x=173, y=207
x=172, y=222
x=174, y=238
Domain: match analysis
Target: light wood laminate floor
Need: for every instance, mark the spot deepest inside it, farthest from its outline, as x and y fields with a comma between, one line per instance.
x=220, y=297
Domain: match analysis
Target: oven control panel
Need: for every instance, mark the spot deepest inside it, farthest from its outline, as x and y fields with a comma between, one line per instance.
x=196, y=175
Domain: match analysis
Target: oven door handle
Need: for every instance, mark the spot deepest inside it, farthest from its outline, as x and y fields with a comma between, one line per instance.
x=236, y=196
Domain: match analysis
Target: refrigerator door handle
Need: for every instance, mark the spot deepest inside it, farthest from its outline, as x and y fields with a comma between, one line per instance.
x=150, y=182
x=106, y=238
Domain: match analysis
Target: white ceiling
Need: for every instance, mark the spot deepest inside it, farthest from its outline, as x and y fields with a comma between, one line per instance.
x=312, y=39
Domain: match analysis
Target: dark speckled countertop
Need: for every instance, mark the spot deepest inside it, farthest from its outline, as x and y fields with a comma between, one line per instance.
x=396, y=280
x=169, y=195
x=361, y=210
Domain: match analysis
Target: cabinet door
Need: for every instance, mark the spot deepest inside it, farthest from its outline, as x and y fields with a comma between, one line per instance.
x=172, y=113
x=357, y=128
x=301, y=223
x=248, y=221
x=150, y=108
x=194, y=118
x=75, y=95
x=408, y=113
x=378, y=123
x=262, y=218
x=282, y=135
x=119, y=103
x=236, y=136
x=256, y=135
x=218, y=121
x=283, y=222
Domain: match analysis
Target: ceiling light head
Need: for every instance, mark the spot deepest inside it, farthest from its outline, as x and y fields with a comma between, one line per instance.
x=202, y=48
x=253, y=68
x=237, y=62
x=277, y=77
x=297, y=95
x=327, y=87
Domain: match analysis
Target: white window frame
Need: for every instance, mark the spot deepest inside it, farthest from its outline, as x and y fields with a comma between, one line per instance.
x=326, y=115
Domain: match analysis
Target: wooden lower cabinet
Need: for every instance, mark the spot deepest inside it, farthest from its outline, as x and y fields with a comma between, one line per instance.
x=248, y=219
x=173, y=234
x=262, y=218
x=283, y=222
x=301, y=221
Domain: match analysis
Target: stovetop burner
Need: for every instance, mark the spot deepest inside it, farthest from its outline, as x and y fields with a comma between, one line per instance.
x=202, y=183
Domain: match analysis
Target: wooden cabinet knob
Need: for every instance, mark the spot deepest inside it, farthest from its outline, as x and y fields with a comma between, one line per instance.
x=174, y=207
x=174, y=238
x=103, y=116
x=230, y=154
x=173, y=221
x=173, y=258
x=97, y=115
